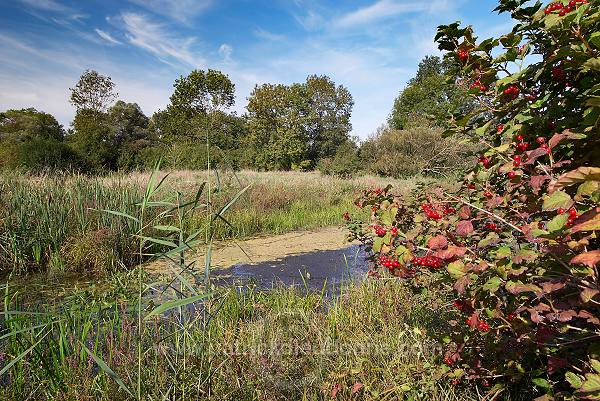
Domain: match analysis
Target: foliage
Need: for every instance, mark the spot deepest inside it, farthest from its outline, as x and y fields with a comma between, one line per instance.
x=345, y=163
x=290, y=124
x=418, y=149
x=93, y=92
x=429, y=95
x=519, y=239
x=33, y=140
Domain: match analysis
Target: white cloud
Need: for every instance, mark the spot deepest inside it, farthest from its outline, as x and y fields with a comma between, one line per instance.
x=156, y=39
x=270, y=36
x=226, y=51
x=107, y=37
x=311, y=20
x=180, y=10
x=47, y=5
x=380, y=9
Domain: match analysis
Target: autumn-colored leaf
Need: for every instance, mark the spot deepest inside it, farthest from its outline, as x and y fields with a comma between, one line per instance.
x=465, y=212
x=589, y=259
x=588, y=293
x=557, y=200
x=589, y=221
x=576, y=176
x=357, y=387
x=438, y=242
x=464, y=228
x=335, y=390
x=537, y=181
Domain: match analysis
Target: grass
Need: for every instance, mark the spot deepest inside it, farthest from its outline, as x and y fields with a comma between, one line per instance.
x=55, y=222
x=376, y=338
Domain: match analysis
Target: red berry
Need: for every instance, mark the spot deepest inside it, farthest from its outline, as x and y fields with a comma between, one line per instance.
x=520, y=138
x=573, y=212
x=561, y=210
x=540, y=139
x=488, y=194
x=500, y=128
x=511, y=174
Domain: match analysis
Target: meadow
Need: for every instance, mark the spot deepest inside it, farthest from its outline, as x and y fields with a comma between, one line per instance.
x=58, y=223
x=102, y=340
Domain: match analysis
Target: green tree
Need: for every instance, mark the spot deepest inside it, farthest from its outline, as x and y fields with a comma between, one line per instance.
x=93, y=91
x=328, y=122
x=429, y=94
x=129, y=133
x=277, y=120
x=33, y=140
x=298, y=124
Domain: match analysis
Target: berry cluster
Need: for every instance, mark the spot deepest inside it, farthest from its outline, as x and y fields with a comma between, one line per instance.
x=562, y=9
x=512, y=91
x=481, y=325
x=491, y=226
x=428, y=261
x=389, y=263
x=521, y=145
x=485, y=161
x=432, y=214
x=516, y=160
x=379, y=231
x=463, y=54
x=478, y=85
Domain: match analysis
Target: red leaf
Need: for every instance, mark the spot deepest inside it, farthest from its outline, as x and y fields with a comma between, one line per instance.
x=464, y=228
x=550, y=286
x=538, y=180
x=465, y=212
x=438, y=242
x=335, y=390
x=451, y=252
x=555, y=364
x=589, y=259
x=357, y=387
x=462, y=283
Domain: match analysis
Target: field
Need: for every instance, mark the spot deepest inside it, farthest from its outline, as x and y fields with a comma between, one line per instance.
x=52, y=223
x=72, y=322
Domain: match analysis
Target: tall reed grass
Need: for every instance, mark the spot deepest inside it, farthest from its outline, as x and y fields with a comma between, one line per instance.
x=56, y=221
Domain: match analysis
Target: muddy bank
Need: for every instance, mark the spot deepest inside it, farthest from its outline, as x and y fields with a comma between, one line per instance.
x=314, y=259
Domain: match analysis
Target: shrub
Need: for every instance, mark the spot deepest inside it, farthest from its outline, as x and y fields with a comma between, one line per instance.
x=345, y=163
x=419, y=149
x=519, y=238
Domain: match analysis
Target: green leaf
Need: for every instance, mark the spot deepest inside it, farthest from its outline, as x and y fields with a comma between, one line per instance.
x=595, y=365
x=107, y=369
x=387, y=238
x=492, y=284
x=557, y=200
x=557, y=223
x=591, y=64
x=377, y=244
x=120, y=214
x=542, y=383
x=457, y=269
x=574, y=380
x=175, y=304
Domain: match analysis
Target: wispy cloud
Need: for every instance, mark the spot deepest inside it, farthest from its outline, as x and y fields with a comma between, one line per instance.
x=157, y=39
x=180, y=10
x=47, y=5
x=273, y=37
x=226, y=51
x=107, y=37
x=379, y=10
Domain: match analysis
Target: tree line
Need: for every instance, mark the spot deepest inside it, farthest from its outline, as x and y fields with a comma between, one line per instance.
x=301, y=126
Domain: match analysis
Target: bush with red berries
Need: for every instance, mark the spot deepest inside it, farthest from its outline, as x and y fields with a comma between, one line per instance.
x=518, y=238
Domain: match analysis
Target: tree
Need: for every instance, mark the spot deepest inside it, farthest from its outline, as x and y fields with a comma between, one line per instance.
x=129, y=133
x=33, y=140
x=328, y=122
x=93, y=92
x=277, y=116
x=203, y=92
x=429, y=95
x=299, y=123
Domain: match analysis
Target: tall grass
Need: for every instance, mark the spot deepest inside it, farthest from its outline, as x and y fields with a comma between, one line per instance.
x=55, y=221
x=240, y=345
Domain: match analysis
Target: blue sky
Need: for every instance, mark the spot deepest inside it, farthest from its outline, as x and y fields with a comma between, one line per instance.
x=370, y=46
